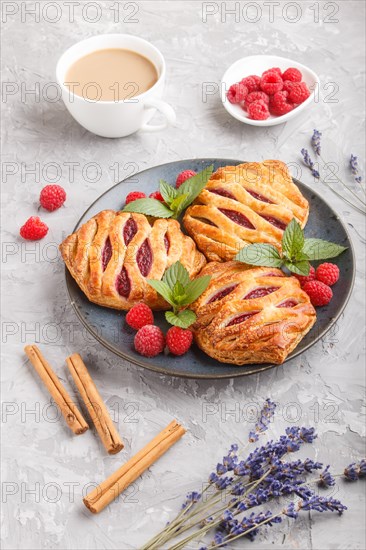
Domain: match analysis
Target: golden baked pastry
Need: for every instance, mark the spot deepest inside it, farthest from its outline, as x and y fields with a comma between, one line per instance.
x=244, y=204
x=112, y=254
x=250, y=315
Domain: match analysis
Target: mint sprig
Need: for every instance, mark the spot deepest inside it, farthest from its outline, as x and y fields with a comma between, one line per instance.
x=176, y=200
x=296, y=251
x=179, y=291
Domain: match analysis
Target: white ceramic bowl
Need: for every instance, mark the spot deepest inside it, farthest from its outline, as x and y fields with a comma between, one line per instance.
x=257, y=64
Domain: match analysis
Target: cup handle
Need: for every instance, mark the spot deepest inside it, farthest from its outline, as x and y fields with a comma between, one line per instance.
x=165, y=109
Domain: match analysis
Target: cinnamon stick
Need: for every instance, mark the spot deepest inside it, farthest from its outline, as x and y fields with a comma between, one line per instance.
x=69, y=410
x=95, y=405
x=109, y=489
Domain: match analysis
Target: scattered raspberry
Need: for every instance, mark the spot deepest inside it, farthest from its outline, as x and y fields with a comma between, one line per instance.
x=256, y=96
x=279, y=104
x=183, y=176
x=252, y=83
x=149, y=341
x=306, y=278
x=139, y=316
x=271, y=83
x=178, y=340
x=33, y=229
x=237, y=93
x=292, y=74
x=327, y=273
x=258, y=110
x=156, y=195
x=319, y=293
x=299, y=92
x=287, y=85
x=52, y=197
x=273, y=70
x=134, y=195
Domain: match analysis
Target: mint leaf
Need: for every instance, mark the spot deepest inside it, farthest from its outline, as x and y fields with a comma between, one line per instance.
x=177, y=204
x=163, y=289
x=260, y=254
x=195, y=288
x=182, y=319
x=149, y=207
x=168, y=191
x=292, y=240
x=300, y=268
x=317, y=249
x=193, y=186
x=179, y=294
x=176, y=272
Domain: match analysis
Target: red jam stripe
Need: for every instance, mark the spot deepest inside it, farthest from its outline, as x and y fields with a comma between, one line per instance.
x=275, y=222
x=123, y=283
x=129, y=231
x=106, y=254
x=288, y=303
x=241, y=318
x=144, y=258
x=237, y=217
x=260, y=292
x=223, y=193
x=166, y=243
x=259, y=197
x=222, y=293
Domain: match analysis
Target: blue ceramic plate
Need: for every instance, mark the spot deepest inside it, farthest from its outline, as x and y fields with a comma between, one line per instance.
x=109, y=328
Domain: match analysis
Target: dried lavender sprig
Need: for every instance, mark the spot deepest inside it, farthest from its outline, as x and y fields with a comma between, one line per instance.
x=354, y=471
x=309, y=163
x=264, y=420
x=354, y=168
x=315, y=141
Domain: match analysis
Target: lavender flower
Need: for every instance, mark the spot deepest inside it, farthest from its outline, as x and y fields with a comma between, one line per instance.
x=290, y=511
x=322, y=504
x=309, y=163
x=326, y=478
x=354, y=168
x=315, y=141
x=354, y=471
x=192, y=497
x=265, y=418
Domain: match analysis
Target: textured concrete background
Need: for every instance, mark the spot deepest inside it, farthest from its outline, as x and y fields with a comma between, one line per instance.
x=46, y=470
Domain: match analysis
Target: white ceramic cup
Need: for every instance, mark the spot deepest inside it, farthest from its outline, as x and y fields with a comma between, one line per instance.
x=115, y=119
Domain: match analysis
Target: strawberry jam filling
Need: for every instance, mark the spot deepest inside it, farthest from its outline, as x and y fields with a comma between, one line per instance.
x=123, y=284
x=129, y=231
x=144, y=258
x=288, y=303
x=241, y=318
x=260, y=292
x=275, y=222
x=237, y=217
x=106, y=254
x=222, y=293
x=258, y=196
x=166, y=243
x=223, y=193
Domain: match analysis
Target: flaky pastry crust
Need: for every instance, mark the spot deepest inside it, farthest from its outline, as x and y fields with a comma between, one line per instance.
x=111, y=256
x=244, y=204
x=251, y=315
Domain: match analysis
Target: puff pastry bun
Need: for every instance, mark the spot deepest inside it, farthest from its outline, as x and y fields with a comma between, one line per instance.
x=251, y=315
x=244, y=204
x=112, y=254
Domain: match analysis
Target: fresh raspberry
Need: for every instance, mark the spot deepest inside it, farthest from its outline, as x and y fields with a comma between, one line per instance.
x=252, y=83
x=303, y=279
x=33, y=229
x=178, y=340
x=279, y=104
x=271, y=83
x=273, y=70
x=319, y=293
x=237, y=93
x=256, y=96
x=292, y=74
x=156, y=195
x=183, y=176
x=139, y=316
x=327, y=273
x=149, y=341
x=258, y=110
x=134, y=195
x=287, y=85
x=299, y=92
x=52, y=197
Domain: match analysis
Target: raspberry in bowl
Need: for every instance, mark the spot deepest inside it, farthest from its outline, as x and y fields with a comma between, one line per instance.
x=286, y=86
